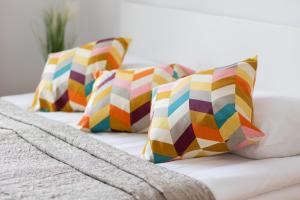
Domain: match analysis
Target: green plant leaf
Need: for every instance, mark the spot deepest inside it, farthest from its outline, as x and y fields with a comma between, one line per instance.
x=53, y=38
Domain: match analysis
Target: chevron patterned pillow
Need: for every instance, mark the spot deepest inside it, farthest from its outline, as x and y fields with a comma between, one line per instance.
x=121, y=99
x=67, y=79
x=207, y=113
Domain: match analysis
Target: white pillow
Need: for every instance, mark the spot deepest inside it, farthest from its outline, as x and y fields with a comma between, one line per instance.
x=279, y=118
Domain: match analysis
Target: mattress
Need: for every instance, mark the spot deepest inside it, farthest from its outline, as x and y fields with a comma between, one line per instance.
x=229, y=176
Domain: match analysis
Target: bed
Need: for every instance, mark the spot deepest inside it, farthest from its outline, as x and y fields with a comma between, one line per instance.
x=228, y=176
x=198, y=43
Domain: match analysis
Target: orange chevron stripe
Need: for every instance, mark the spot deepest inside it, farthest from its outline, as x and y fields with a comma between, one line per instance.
x=98, y=73
x=143, y=74
x=243, y=84
x=119, y=114
x=112, y=63
x=207, y=133
x=84, y=122
x=245, y=122
x=77, y=97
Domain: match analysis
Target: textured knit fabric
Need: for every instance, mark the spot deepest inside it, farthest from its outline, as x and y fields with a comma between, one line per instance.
x=44, y=159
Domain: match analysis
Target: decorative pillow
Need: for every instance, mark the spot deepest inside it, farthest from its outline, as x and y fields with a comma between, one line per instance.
x=67, y=78
x=204, y=114
x=121, y=99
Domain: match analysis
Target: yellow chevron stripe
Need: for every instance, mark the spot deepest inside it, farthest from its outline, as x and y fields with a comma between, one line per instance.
x=78, y=59
x=99, y=115
x=163, y=95
x=46, y=85
x=88, y=46
x=203, y=119
x=124, y=74
x=160, y=122
x=139, y=101
x=159, y=80
x=67, y=55
x=183, y=82
x=102, y=95
x=165, y=148
x=201, y=86
x=75, y=86
x=243, y=105
x=209, y=71
x=230, y=126
x=223, y=82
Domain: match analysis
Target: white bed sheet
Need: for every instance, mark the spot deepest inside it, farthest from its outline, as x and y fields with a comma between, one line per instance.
x=230, y=177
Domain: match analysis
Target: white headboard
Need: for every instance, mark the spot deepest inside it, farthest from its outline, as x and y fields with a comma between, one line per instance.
x=201, y=40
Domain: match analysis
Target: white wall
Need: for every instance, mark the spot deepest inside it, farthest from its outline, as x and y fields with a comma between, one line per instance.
x=20, y=60
x=21, y=63
x=285, y=12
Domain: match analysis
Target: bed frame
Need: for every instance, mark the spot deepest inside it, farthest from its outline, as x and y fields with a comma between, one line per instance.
x=200, y=40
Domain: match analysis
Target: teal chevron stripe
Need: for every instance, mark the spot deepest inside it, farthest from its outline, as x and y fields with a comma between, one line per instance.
x=63, y=70
x=101, y=126
x=160, y=158
x=222, y=115
x=175, y=75
x=89, y=87
x=178, y=102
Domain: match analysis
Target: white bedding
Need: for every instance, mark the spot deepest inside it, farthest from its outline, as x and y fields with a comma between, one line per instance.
x=230, y=177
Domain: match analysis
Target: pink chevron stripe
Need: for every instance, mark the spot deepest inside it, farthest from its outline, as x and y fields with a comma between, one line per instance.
x=241, y=145
x=220, y=74
x=100, y=50
x=141, y=90
x=122, y=83
x=168, y=69
x=187, y=70
x=165, y=87
x=251, y=133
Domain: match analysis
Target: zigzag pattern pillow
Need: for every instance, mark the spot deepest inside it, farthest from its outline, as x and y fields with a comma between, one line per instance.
x=121, y=99
x=204, y=114
x=67, y=79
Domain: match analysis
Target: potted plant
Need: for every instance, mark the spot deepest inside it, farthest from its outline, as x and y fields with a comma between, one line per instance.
x=54, y=37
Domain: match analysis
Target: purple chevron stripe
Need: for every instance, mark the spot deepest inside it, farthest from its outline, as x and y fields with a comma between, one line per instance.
x=61, y=102
x=201, y=106
x=77, y=77
x=104, y=40
x=140, y=112
x=111, y=77
x=185, y=140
